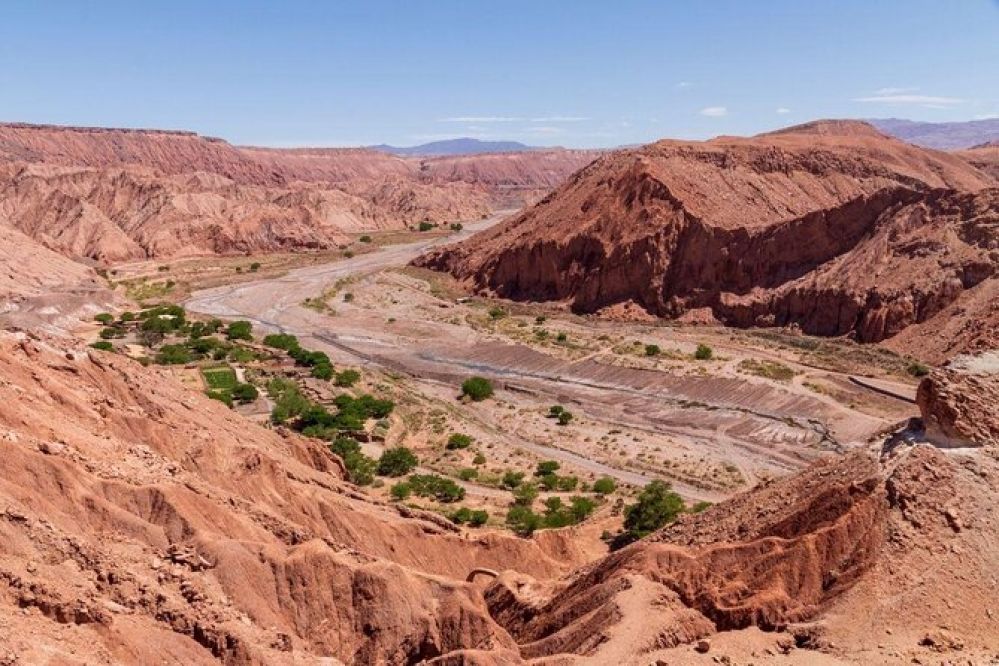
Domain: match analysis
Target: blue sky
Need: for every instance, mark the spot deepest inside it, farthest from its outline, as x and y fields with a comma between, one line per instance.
x=546, y=72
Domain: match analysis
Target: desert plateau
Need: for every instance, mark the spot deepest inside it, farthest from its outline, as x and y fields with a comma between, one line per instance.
x=682, y=385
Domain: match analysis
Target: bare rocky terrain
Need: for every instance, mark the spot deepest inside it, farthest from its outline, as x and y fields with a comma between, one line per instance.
x=830, y=227
x=795, y=332
x=112, y=194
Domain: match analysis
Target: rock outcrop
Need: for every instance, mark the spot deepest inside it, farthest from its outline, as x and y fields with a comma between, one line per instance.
x=829, y=226
x=959, y=402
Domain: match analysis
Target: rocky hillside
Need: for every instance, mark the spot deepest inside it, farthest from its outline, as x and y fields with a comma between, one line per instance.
x=115, y=194
x=829, y=226
x=141, y=522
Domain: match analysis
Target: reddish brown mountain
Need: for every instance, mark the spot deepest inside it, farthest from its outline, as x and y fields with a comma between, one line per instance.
x=830, y=226
x=113, y=194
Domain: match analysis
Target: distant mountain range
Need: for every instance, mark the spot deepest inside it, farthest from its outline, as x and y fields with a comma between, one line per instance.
x=464, y=146
x=943, y=136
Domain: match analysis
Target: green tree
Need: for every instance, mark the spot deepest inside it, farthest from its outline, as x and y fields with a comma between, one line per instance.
x=103, y=345
x=240, y=330
x=105, y=318
x=703, y=353
x=522, y=520
x=458, y=441
x=605, y=485
x=546, y=467
x=564, y=418
x=652, y=350
x=396, y=461
x=512, y=479
x=477, y=388
x=401, y=491
x=245, y=393
x=657, y=505
x=555, y=410
x=347, y=378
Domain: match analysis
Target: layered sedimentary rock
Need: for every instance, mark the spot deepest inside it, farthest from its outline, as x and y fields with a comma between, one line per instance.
x=829, y=226
x=959, y=403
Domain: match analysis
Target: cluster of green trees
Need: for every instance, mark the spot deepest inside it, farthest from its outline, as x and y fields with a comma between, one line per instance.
x=319, y=363
x=550, y=480
x=431, y=486
x=524, y=521
x=657, y=505
x=473, y=517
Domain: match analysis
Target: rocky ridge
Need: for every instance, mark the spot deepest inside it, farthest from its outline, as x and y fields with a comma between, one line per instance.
x=830, y=227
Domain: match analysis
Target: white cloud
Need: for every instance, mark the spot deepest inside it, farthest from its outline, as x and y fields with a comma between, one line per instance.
x=683, y=84
x=559, y=119
x=911, y=99
x=986, y=116
x=543, y=129
x=894, y=91
x=782, y=110
x=714, y=111
x=480, y=119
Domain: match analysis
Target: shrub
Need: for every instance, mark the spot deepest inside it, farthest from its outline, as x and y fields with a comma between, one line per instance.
x=496, y=312
x=105, y=318
x=401, y=491
x=522, y=520
x=348, y=297
x=703, y=353
x=103, y=345
x=110, y=333
x=365, y=239
x=477, y=388
x=473, y=517
x=426, y=226
x=360, y=468
x=652, y=350
x=512, y=479
x=567, y=483
x=467, y=473
x=525, y=494
x=564, y=418
x=255, y=266
x=558, y=514
x=347, y=378
x=540, y=319
x=561, y=337
x=917, y=369
x=436, y=487
x=244, y=393
x=240, y=330
x=657, y=505
x=458, y=441
x=479, y=459
x=555, y=410
x=549, y=481
x=546, y=467
x=284, y=341
x=127, y=316
x=322, y=371
x=605, y=485
x=700, y=506
x=173, y=355
x=396, y=461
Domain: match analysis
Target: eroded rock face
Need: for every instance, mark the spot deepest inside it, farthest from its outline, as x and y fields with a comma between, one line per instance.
x=831, y=227
x=139, y=523
x=114, y=194
x=959, y=402
x=823, y=551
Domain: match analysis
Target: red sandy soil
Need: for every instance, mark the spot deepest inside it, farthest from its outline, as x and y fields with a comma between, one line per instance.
x=830, y=226
x=141, y=522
